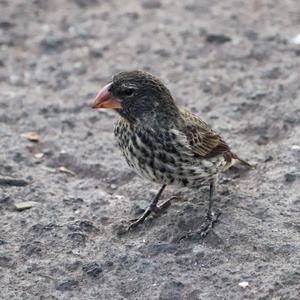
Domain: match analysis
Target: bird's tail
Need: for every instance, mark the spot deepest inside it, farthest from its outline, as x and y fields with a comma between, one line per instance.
x=242, y=162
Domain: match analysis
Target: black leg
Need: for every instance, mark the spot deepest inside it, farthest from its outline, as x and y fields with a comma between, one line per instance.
x=152, y=208
x=211, y=218
x=211, y=196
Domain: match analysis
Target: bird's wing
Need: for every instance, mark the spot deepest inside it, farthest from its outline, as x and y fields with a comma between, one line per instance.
x=202, y=139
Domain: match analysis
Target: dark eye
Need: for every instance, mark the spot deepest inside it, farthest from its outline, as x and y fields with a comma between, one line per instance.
x=128, y=91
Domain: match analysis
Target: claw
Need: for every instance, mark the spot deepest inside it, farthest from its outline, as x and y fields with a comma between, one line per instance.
x=151, y=209
x=211, y=219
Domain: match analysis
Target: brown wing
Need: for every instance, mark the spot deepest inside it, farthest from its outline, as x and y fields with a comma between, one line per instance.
x=202, y=139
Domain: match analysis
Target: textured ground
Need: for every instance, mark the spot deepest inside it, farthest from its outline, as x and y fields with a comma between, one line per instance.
x=54, y=56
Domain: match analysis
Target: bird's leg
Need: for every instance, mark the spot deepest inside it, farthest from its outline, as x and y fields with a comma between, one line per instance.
x=211, y=218
x=152, y=208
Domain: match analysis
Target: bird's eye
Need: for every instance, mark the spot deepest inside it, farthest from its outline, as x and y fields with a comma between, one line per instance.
x=128, y=92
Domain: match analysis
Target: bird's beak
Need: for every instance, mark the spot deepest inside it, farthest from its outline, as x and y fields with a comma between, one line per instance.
x=105, y=100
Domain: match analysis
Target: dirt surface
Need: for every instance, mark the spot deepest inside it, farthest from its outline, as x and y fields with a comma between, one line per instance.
x=233, y=62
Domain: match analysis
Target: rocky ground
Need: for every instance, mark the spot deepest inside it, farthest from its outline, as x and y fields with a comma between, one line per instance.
x=235, y=63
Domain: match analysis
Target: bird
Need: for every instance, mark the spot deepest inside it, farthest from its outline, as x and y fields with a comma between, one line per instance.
x=163, y=142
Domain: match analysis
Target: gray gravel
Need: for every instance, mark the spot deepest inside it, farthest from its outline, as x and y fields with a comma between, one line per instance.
x=232, y=62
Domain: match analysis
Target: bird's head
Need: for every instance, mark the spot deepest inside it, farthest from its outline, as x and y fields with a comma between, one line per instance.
x=136, y=96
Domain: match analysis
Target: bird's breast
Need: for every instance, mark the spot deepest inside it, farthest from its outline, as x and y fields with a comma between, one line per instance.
x=159, y=156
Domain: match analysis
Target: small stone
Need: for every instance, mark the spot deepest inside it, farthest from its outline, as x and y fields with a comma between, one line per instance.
x=162, y=52
x=133, y=15
x=51, y=43
x=290, y=177
x=39, y=155
x=39, y=228
x=67, y=285
x=18, y=157
x=31, y=136
x=262, y=140
x=63, y=169
x=85, y=3
x=269, y=158
x=77, y=237
x=73, y=266
x=95, y=52
x=257, y=95
x=25, y=205
x=92, y=269
x=217, y=38
x=243, y=284
x=72, y=200
x=4, y=197
x=4, y=24
x=151, y=4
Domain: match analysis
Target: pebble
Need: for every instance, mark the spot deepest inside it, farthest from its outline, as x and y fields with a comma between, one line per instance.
x=262, y=140
x=217, y=38
x=162, y=52
x=12, y=181
x=85, y=3
x=51, y=43
x=244, y=284
x=95, y=52
x=151, y=4
x=4, y=24
x=4, y=197
x=73, y=266
x=67, y=285
x=290, y=177
x=72, y=200
x=31, y=136
x=25, y=205
x=92, y=269
x=77, y=237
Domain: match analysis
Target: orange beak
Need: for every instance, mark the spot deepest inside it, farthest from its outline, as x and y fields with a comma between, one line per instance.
x=105, y=100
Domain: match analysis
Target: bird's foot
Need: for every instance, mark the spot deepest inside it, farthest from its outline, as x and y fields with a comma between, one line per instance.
x=157, y=210
x=211, y=219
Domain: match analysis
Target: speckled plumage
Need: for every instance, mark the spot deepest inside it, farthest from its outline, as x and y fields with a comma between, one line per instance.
x=168, y=155
x=162, y=142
